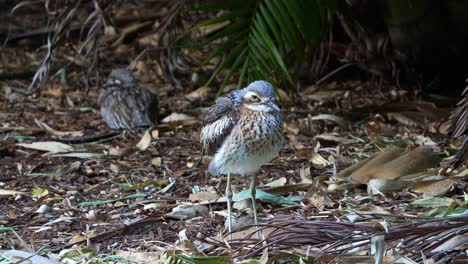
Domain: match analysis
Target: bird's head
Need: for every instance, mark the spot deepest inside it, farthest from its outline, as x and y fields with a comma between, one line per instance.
x=121, y=77
x=260, y=96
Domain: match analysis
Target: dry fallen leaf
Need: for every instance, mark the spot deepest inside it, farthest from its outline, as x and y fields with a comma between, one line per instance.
x=81, y=155
x=284, y=98
x=334, y=118
x=20, y=256
x=420, y=186
x=4, y=193
x=177, y=117
x=199, y=93
x=366, y=171
x=115, y=168
x=279, y=182
x=462, y=173
x=139, y=257
x=144, y=141
x=54, y=132
x=79, y=237
x=203, y=196
x=439, y=188
x=290, y=129
x=142, y=72
x=331, y=137
x=183, y=212
x=305, y=174
x=156, y=161
x=380, y=186
x=155, y=134
x=414, y=161
x=49, y=146
x=190, y=164
x=408, y=118
x=421, y=140
x=317, y=159
x=208, y=29
x=117, y=151
x=55, y=91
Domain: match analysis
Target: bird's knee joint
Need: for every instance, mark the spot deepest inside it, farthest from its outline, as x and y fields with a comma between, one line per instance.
x=228, y=192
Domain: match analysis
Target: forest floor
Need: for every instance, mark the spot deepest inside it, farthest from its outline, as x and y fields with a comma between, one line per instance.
x=70, y=185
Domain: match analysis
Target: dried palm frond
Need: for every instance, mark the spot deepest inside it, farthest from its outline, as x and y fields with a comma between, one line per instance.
x=64, y=17
x=94, y=19
x=437, y=238
x=171, y=58
x=91, y=46
x=61, y=19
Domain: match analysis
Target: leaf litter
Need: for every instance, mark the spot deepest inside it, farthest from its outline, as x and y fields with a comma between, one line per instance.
x=96, y=190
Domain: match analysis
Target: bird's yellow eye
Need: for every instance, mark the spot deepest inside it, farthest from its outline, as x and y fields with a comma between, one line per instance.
x=254, y=98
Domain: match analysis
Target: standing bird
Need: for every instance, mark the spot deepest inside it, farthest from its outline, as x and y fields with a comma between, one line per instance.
x=125, y=104
x=459, y=128
x=243, y=131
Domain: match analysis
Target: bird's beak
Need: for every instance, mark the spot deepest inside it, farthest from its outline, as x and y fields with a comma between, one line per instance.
x=273, y=105
x=106, y=85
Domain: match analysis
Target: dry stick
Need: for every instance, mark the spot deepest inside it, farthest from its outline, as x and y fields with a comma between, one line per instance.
x=87, y=138
x=324, y=78
x=287, y=228
x=78, y=27
x=119, y=231
x=453, y=246
x=17, y=73
x=443, y=236
x=422, y=247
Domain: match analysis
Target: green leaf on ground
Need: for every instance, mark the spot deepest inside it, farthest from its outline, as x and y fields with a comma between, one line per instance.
x=264, y=196
x=433, y=202
x=95, y=203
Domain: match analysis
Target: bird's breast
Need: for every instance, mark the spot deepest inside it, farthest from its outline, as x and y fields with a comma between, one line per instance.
x=255, y=140
x=261, y=131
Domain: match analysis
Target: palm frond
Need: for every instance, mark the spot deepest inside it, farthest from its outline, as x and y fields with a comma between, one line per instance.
x=263, y=39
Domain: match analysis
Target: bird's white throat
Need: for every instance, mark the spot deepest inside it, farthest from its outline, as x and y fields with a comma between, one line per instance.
x=258, y=107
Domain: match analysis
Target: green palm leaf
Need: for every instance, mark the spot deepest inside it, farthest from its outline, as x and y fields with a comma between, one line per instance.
x=263, y=39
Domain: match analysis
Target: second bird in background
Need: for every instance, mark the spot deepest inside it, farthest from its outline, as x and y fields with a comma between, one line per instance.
x=125, y=104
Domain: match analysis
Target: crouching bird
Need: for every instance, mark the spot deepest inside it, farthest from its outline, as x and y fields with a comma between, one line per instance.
x=125, y=104
x=243, y=131
x=459, y=128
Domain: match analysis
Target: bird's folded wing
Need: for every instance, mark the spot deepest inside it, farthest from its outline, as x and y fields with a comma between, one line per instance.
x=219, y=122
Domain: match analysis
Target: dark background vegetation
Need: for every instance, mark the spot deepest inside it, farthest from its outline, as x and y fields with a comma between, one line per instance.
x=401, y=42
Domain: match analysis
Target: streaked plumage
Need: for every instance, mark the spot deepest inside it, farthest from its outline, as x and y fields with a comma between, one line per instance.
x=240, y=138
x=459, y=128
x=125, y=104
x=219, y=121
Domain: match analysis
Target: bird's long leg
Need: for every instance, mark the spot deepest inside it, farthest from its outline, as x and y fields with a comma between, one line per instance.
x=229, y=202
x=253, y=184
